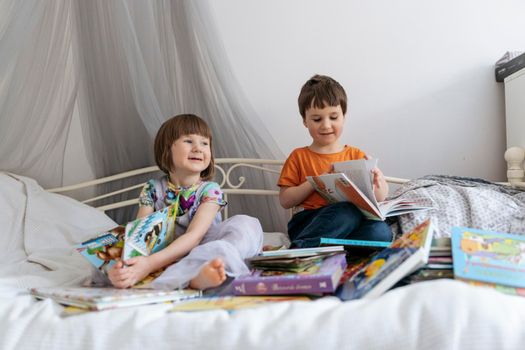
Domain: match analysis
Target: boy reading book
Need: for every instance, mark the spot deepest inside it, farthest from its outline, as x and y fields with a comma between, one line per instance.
x=352, y=182
x=322, y=105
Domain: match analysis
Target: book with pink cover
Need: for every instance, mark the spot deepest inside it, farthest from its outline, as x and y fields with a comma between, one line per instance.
x=353, y=183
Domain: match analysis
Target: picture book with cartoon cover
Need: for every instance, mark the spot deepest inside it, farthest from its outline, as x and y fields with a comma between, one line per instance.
x=406, y=254
x=140, y=237
x=352, y=182
x=97, y=299
x=489, y=256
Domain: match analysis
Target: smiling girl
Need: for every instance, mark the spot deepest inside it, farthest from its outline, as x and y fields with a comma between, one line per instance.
x=205, y=249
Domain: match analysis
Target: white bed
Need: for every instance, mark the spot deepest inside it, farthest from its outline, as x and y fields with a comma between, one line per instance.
x=39, y=228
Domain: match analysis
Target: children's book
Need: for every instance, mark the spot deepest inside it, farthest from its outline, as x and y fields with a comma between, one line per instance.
x=297, y=252
x=234, y=303
x=488, y=256
x=323, y=277
x=140, y=237
x=107, y=298
x=287, y=264
x=352, y=182
x=356, y=244
x=498, y=287
x=406, y=254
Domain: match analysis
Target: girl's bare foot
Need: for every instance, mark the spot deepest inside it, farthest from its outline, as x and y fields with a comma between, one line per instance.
x=211, y=275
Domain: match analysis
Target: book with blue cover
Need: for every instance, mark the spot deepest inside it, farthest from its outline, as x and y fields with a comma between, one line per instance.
x=354, y=244
x=407, y=253
x=489, y=256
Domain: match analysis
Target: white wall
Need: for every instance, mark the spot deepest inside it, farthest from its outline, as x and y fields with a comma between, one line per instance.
x=419, y=74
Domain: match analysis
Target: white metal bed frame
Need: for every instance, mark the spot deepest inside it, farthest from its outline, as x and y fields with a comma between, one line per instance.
x=229, y=184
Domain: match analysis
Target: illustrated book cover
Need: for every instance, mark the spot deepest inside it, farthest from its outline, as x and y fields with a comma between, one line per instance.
x=354, y=184
x=407, y=253
x=139, y=237
x=98, y=299
x=323, y=277
x=488, y=256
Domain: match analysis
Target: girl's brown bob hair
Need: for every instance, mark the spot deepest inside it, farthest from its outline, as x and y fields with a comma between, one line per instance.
x=171, y=130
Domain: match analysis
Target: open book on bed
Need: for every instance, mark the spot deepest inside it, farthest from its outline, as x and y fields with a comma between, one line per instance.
x=98, y=299
x=352, y=181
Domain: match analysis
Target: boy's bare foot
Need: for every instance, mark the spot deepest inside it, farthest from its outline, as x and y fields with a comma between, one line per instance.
x=211, y=275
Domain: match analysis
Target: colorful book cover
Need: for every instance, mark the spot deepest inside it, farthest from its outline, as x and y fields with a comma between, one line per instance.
x=105, y=250
x=406, y=254
x=498, y=287
x=321, y=278
x=108, y=298
x=488, y=256
x=151, y=233
x=139, y=237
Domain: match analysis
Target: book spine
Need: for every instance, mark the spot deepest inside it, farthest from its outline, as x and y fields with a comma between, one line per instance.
x=272, y=286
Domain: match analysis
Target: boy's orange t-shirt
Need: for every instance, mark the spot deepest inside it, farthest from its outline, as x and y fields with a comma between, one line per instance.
x=303, y=162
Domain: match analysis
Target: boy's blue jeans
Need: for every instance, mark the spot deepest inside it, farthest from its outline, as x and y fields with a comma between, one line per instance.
x=340, y=220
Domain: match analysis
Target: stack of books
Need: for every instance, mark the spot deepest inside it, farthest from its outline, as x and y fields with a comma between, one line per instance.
x=439, y=263
x=293, y=271
x=488, y=258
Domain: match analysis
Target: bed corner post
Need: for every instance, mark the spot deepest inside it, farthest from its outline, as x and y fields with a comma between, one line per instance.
x=514, y=157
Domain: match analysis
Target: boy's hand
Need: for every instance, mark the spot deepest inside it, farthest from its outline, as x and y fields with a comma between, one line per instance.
x=379, y=184
x=378, y=178
x=126, y=276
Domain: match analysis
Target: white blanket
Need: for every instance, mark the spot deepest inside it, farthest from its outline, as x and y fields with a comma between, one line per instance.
x=38, y=230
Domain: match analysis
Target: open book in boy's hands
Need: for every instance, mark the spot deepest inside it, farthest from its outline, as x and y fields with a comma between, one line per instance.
x=352, y=181
x=140, y=237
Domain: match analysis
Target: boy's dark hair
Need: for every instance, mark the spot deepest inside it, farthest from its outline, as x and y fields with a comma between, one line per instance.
x=319, y=91
x=171, y=130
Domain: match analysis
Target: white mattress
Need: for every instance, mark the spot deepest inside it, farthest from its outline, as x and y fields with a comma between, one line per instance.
x=39, y=228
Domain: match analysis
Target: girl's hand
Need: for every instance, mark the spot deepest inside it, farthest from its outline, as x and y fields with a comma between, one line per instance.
x=125, y=276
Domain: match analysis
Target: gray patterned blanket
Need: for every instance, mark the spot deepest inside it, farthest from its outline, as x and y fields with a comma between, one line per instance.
x=468, y=202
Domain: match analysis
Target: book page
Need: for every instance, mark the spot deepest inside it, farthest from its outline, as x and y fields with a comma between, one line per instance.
x=360, y=172
x=337, y=187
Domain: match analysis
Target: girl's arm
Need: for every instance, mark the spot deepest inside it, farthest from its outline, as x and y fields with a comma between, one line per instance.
x=198, y=227
x=289, y=197
x=144, y=211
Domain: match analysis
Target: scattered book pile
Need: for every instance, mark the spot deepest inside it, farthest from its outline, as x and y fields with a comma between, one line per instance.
x=439, y=263
x=140, y=237
x=352, y=181
x=406, y=254
x=98, y=299
x=293, y=271
x=491, y=259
